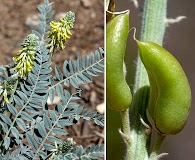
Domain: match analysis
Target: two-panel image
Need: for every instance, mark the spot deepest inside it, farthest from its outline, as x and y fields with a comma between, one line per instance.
x=97, y=80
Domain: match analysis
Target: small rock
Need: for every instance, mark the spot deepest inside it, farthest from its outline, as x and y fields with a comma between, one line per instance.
x=86, y=3
x=32, y=21
x=93, y=97
x=60, y=15
x=55, y=101
x=101, y=108
x=93, y=15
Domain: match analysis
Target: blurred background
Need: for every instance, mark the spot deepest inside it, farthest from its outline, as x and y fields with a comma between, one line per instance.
x=178, y=40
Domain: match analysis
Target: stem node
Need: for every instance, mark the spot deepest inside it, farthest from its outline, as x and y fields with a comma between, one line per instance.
x=148, y=128
x=125, y=137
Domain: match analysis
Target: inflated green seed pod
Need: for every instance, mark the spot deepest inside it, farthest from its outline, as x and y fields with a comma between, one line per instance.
x=118, y=95
x=170, y=93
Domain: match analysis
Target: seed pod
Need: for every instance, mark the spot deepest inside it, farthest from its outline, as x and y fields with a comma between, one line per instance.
x=118, y=95
x=170, y=93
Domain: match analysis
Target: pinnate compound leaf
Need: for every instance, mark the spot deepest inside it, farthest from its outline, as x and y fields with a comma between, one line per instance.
x=51, y=94
x=91, y=72
x=48, y=147
x=59, y=90
x=7, y=142
x=97, y=56
x=11, y=108
x=22, y=95
x=65, y=70
x=66, y=83
x=101, y=63
x=31, y=141
x=18, y=101
x=72, y=66
x=79, y=64
x=86, y=77
x=98, y=122
x=58, y=73
x=35, y=104
x=4, y=126
x=59, y=131
x=60, y=107
x=74, y=82
x=64, y=122
x=26, y=116
x=15, y=132
x=80, y=78
x=84, y=62
x=53, y=115
x=46, y=71
x=86, y=112
x=79, y=110
x=36, y=33
x=5, y=119
x=91, y=59
x=79, y=151
x=15, y=153
x=54, y=139
x=41, y=129
x=47, y=121
x=97, y=69
x=21, y=124
x=84, y=157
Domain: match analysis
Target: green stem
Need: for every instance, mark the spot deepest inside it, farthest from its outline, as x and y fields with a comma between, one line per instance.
x=139, y=139
x=153, y=22
x=126, y=131
x=156, y=148
x=153, y=28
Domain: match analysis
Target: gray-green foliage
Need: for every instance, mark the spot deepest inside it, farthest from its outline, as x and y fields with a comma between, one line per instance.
x=29, y=129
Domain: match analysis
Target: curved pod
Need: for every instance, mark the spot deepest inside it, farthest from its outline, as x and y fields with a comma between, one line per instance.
x=170, y=93
x=118, y=95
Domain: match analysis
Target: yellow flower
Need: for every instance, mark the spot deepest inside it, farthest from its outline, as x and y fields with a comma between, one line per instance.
x=61, y=31
x=24, y=61
x=4, y=91
x=8, y=87
x=5, y=96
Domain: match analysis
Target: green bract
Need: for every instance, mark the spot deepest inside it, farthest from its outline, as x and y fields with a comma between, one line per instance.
x=118, y=95
x=170, y=93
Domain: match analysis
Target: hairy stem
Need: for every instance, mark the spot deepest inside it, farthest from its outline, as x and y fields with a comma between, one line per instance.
x=156, y=148
x=153, y=28
x=126, y=131
x=153, y=22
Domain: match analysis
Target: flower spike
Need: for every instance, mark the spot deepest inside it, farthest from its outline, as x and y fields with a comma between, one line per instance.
x=61, y=31
x=24, y=60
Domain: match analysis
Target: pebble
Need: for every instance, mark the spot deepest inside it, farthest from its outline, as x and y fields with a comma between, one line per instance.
x=86, y=3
